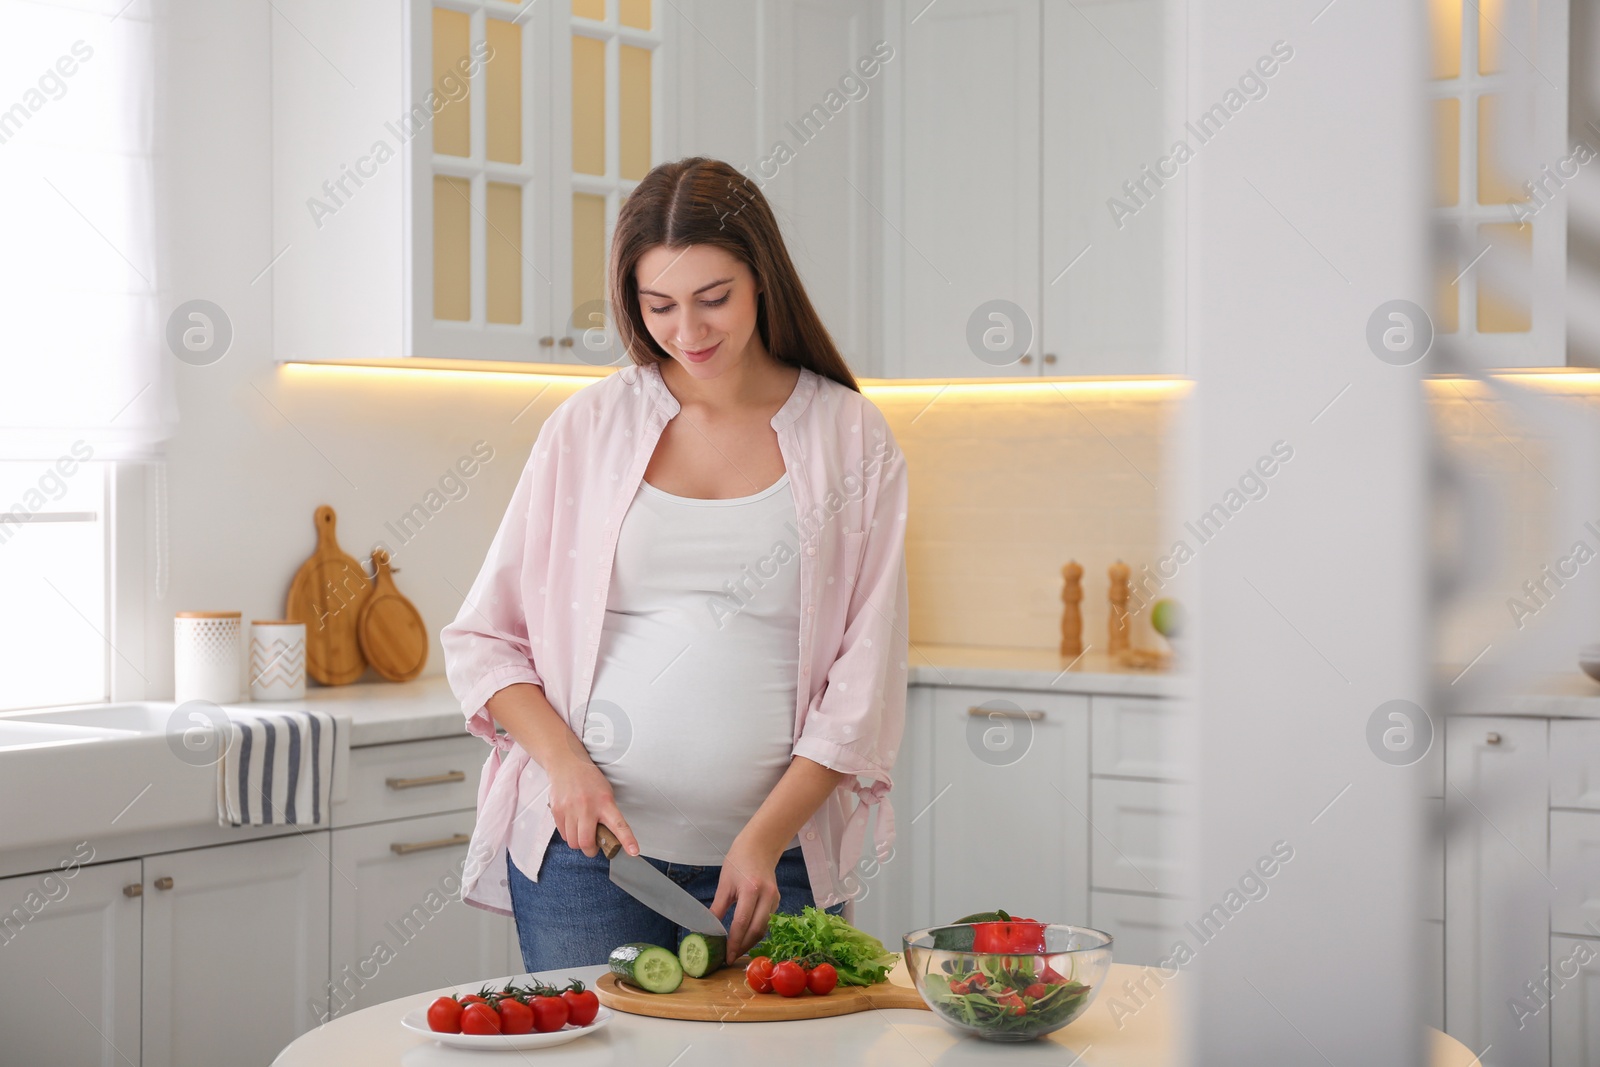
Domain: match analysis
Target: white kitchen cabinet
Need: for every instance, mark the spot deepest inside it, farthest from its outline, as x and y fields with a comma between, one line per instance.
x=1575, y=869
x=399, y=924
x=1497, y=883
x=69, y=967
x=1144, y=928
x=1136, y=835
x=1010, y=814
x=1574, y=1002
x=235, y=950
x=1137, y=737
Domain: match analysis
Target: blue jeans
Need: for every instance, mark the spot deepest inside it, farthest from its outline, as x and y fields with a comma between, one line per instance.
x=573, y=916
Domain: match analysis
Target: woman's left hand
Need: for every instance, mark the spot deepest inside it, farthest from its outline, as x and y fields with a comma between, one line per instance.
x=749, y=883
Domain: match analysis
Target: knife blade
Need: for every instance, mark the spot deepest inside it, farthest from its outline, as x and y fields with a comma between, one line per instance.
x=639, y=879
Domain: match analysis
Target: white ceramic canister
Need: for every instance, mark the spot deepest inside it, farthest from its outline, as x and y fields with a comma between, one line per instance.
x=207, y=656
x=277, y=660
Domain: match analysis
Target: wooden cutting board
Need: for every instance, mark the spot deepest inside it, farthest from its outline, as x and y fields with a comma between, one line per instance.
x=392, y=635
x=724, y=997
x=327, y=595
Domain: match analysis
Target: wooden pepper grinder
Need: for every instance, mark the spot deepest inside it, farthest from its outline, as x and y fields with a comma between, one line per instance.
x=1072, y=614
x=1118, y=621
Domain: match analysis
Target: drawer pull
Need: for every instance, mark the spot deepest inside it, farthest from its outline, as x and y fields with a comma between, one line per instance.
x=428, y=779
x=134, y=890
x=1004, y=713
x=405, y=848
x=1493, y=738
x=164, y=882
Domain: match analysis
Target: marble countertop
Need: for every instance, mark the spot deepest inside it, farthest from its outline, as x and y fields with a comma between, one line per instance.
x=383, y=712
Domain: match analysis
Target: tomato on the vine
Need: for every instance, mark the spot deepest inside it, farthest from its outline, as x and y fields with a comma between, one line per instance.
x=480, y=1017
x=758, y=974
x=444, y=1016
x=822, y=979
x=788, y=979
x=549, y=1013
x=515, y=1016
x=582, y=1004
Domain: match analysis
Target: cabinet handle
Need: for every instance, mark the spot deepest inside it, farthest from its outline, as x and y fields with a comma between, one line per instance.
x=1005, y=713
x=1049, y=357
x=428, y=779
x=164, y=882
x=1493, y=738
x=1026, y=359
x=405, y=848
x=134, y=890
x=546, y=342
x=565, y=342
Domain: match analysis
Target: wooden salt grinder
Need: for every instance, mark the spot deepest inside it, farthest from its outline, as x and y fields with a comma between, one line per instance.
x=1072, y=614
x=1118, y=622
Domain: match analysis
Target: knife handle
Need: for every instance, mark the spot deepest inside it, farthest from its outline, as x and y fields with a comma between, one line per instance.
x=609, y=845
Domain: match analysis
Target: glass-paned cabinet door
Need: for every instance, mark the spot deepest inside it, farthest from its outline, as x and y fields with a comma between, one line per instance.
x=478, y=128
x=613, y=79
x=1498, y=82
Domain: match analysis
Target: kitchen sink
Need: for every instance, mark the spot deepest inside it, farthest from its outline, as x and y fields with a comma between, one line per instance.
x=91, y=772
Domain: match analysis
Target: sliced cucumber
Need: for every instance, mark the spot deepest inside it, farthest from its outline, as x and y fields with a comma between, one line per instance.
x=701, y=954
x=650, y=967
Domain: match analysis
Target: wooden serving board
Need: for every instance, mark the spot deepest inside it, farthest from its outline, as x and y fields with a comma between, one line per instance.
x=327, y=594
x=391, y=632
x=724, y=997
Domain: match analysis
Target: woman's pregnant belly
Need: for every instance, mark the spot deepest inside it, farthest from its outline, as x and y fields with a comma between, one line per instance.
x=692, y=728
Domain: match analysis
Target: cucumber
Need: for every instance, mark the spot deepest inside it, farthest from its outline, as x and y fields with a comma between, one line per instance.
x=701, y=954
x=650, y=967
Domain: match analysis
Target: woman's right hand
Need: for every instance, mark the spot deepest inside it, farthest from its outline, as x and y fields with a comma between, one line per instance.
x=580, y=797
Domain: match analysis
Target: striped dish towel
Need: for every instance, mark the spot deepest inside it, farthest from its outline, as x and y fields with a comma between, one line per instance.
x=282, y=768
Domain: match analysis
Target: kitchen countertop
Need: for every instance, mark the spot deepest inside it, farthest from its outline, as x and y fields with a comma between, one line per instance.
x=898, y=1037
x=382, y=712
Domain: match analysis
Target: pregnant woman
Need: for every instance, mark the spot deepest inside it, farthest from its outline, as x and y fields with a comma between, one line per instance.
x=692, y=622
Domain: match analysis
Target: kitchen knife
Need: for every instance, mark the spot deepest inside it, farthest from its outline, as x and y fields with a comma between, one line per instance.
x=640, y=880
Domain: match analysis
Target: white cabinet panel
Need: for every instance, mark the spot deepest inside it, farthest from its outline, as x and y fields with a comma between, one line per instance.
x=1575, y=764
x=1010, y=804
x=1496, y=882
x=399, y=924
x=1136, y=737
x=235, y=950
x=1574, y=1003
x=1135, y=835
x=969, y=182
x=1575, y=869
x=1433, y=973
x=1144, y=928
x=1433, y=862
x=69, y=967
x=412, y=778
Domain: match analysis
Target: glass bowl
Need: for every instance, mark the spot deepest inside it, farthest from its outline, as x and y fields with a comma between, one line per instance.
x=1008, y=996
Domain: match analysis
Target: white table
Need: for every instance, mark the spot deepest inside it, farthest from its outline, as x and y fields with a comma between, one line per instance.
x=893, y=1038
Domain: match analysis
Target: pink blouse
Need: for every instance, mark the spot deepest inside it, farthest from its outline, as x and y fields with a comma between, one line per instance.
x=535, y=612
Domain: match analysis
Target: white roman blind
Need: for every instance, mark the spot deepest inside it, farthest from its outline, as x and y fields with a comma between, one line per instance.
x=82, y=349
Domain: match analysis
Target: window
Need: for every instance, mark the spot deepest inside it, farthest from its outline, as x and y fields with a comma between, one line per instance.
x=1498, y=82
x=53, y=551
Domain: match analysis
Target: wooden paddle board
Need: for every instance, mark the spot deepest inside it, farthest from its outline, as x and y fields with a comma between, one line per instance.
x=390, y=628
x=723, y=996
x=327, y=594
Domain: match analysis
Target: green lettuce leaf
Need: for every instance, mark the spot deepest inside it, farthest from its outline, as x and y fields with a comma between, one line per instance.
x=860, y=958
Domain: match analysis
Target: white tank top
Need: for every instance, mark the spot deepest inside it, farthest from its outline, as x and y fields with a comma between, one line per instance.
x=691, y=715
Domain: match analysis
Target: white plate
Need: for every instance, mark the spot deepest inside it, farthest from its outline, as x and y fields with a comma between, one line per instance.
x=417, y=1022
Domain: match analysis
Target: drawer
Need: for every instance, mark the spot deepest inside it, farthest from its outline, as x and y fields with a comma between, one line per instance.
x=1137, y=829
x=1145, y=928
x=1575, y=764
x=1575, y=869
x=1136, y=737
x=1575, y=1002
x=412, y=778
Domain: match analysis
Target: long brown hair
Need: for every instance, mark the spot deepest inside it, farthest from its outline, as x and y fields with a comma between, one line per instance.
x=700, y=201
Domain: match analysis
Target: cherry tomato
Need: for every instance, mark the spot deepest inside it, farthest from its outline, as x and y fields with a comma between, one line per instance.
x=1050, y=977
x=549, y=1013
x=472, y=998
x=444, y=1016
x=515, y=1017
x=788, y=979
x=480, y=1018
x=1011, y=1002
x=1036, y=990
x=822, y=979
x=582, y=1006
x=758, y=974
